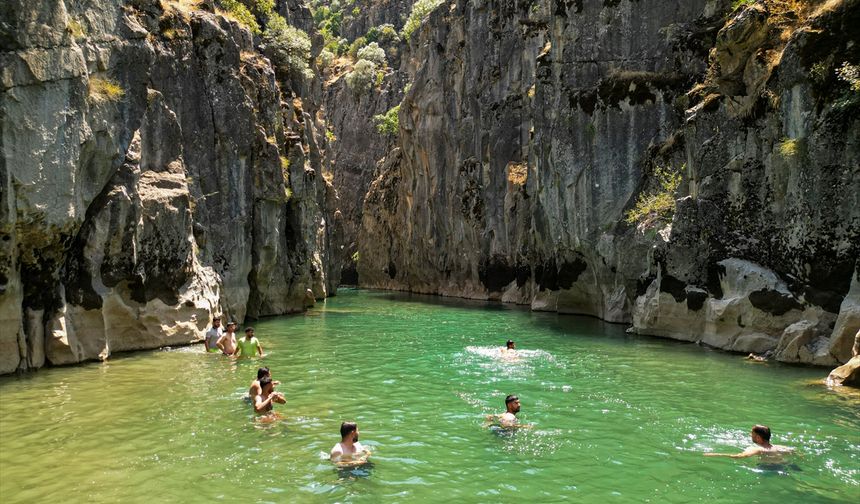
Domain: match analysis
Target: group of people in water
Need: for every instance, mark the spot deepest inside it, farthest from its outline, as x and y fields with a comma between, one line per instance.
x=218, y=340
x=349, y=452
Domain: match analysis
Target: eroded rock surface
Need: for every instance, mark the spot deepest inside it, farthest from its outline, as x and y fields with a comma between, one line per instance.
x=531, y=128
x=155, y=171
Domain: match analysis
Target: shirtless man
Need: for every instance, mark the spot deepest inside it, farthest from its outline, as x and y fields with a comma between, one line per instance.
x=227, y=342
x=255, y=389
x=510, y=345
x=210, y=341
x=509, y=417
x=761, y=437
x=263, y=401
x=349, y=451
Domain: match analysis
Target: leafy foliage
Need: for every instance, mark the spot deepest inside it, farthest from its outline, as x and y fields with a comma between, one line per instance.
x=372, y=52
x=420, y=10
x=362, y=76
x=236, y=10
x=659, y=205
x=290, y=47
x=389, y=122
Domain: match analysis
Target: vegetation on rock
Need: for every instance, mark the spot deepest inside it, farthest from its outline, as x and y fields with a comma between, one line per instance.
x=389, y=122
x=103, y=89
x=361, y=78
x=290, y=47
x=659, y=205
x=420, y=10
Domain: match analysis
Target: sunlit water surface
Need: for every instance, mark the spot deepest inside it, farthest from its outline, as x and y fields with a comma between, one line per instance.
x=617, y=418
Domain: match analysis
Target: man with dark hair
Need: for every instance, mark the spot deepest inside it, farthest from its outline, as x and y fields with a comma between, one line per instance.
x=263, y=401
x=510, y=345
x=210, y=341
x=255, y=389
x=249, y=345
x=227, y=341
x=512, y=407
x=761, y=437
x=349, y=451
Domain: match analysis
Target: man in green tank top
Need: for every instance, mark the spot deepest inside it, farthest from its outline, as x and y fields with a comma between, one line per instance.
x=249, y=345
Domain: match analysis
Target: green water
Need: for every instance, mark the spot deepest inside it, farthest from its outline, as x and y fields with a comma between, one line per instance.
x=617, y=418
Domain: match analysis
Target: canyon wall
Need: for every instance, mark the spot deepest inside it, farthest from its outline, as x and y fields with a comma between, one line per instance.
x=532, y=128
x=155, y=171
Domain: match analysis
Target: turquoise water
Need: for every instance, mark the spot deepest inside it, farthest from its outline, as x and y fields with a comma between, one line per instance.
x=617, y=418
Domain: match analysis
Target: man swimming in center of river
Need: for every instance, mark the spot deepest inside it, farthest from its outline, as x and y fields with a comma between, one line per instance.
x=762, y=447
x=508, y=419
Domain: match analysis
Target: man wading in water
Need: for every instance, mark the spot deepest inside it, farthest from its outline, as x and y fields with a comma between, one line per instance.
x=249, y=345
x=349, y=451
x=227, y=342
x=263, y=401
x=761, y=437
x=213, y=335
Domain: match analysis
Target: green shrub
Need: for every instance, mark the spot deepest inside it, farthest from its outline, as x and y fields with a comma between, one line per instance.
x=659, y=205
x=380, y=78
x=290, y=47
x=737, y=4
x=372, y=52
x=326, y=58
x=420, y=10
x=237, y=11
x=387, y=34
x=361, y=78
x=355, y=46
x=389, y=122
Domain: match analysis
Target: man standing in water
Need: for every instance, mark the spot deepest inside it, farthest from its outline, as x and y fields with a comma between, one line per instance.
x=227, y=342
x=349, y=450
x=249, y=345
x=213, y=335
x=761, y=437
x=263, y=401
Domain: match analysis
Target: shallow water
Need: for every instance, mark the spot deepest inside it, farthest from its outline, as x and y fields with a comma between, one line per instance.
x=616, y=418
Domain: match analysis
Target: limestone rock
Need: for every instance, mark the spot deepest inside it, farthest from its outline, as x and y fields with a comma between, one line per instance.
x=846, y=374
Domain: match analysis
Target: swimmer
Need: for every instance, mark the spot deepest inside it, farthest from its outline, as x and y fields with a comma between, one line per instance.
x=227, y=342
x=263, y=401
x=255, y=389
x=249, y=345
x=349, y=451
x=210, y=341
x=761, y=437
x=508, y=419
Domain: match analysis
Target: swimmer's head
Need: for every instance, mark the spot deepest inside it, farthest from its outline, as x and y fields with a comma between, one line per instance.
x=510, y=344
x=263, y=371
x=512, y=404
x=762, y=432
x=347, y=429
x=265, y=384
x=231, y=325
x=216, y=321
x=249, y=331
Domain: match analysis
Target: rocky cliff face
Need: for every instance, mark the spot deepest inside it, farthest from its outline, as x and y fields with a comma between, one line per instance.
x=532, y=127
x=154, y=172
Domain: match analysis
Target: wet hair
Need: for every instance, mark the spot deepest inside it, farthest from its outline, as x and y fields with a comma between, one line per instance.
x=346, y=428
x=511, y=398
x=265, y=381
x=763, y=431
x=248, y=329
x=263, y=371
x=510, y=343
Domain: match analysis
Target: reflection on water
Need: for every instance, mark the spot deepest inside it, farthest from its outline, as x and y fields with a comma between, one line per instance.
x=615, y=416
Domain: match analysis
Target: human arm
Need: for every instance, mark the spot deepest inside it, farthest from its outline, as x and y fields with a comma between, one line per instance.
x=749, y=452
x=220, y=344
x=261, y=404
x=336, y=453
x=260, y=349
